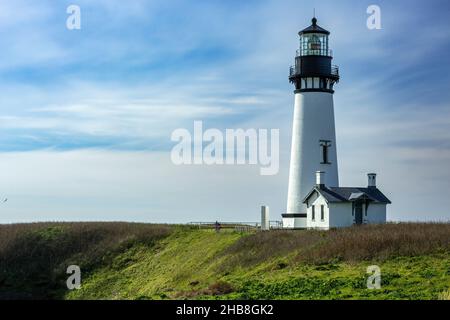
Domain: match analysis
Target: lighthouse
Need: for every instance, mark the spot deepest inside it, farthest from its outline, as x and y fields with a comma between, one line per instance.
x=313, y=146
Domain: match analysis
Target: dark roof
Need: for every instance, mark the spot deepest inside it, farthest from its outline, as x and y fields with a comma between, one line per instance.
x=349, y=194
x=314, y=28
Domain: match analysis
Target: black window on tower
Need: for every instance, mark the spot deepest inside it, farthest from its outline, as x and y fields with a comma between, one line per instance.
x=325, y=145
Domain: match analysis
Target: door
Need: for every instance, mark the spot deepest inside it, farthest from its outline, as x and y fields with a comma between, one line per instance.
x=358, y=213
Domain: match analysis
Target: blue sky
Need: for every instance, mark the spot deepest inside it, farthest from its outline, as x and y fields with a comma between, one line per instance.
x=86, y=115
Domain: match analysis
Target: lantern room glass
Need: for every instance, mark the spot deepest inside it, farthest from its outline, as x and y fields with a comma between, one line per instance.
x=314, y=44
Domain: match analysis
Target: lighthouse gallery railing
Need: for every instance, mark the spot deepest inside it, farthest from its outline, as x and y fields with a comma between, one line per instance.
x=295, y=70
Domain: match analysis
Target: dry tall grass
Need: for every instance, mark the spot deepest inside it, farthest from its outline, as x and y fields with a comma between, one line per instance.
x=367, y=242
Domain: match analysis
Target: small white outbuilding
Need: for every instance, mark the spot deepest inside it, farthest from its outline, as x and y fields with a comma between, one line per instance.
x=335, y=207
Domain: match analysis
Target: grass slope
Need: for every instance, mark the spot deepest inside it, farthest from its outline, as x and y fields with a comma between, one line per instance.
x=129, y=261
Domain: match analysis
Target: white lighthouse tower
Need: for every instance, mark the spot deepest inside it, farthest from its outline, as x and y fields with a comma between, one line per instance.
x=313, y=133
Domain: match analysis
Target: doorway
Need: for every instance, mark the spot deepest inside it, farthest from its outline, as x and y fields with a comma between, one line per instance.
x=358, y=213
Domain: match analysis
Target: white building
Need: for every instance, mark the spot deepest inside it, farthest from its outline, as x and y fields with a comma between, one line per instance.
x=335, y=207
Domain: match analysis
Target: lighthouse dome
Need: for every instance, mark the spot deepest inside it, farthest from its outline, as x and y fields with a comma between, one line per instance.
x=314, y=28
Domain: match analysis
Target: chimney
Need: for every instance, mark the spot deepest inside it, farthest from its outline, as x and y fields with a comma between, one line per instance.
x=320, y=178
x=372, y=180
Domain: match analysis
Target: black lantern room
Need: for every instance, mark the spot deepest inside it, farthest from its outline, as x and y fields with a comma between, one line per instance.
x=313, y=70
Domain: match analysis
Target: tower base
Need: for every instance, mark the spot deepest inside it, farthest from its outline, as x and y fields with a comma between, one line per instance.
x=294, y=220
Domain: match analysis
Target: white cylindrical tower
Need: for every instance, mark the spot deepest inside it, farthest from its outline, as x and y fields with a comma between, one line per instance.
x=265, y=222
x=313, y=134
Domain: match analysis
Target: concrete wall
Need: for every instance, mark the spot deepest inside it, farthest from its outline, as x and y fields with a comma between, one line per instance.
x=313, y=121
x=294, y=223
x=376, y=213
x=341, y=215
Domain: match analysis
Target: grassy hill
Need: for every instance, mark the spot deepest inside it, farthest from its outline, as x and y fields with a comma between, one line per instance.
x=144, y=261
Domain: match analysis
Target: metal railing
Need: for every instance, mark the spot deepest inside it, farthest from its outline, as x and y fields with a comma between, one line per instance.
x=237, y=226
x=224, y=225
x=295, y=70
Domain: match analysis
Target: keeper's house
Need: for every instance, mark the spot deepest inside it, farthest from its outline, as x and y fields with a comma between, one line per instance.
x=336, y=207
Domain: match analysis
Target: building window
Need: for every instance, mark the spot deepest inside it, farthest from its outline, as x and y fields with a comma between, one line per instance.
x=322, y=212
x=325, y=145
x=313, y=216
x=316, y=83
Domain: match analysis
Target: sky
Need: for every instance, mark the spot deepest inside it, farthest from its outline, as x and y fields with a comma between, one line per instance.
x=86, y=115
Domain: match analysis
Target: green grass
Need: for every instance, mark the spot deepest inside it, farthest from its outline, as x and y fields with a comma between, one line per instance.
x=160, y=262
x=190, y=262
x=183, y=258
